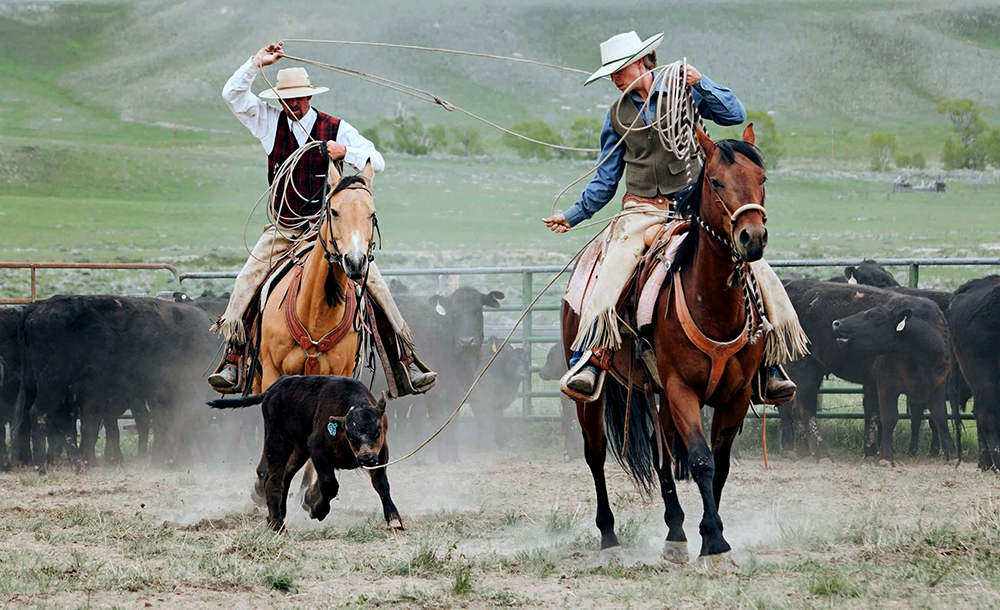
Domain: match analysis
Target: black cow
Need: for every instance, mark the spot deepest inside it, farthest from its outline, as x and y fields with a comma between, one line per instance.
x=10, y=375
x=448, y=332
x=871, y=273
x=498, y=387
x=914, y=360
x=555, y=367
x=93, y=357
x=974, y=320
x=335, y=422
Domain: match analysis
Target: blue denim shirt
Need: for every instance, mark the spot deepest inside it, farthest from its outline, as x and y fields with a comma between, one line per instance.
x=715, y=103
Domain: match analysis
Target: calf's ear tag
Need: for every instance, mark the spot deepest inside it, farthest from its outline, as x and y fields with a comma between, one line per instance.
x=901, y=325
x=494, y=347
x=332, y=428
x=440, y=309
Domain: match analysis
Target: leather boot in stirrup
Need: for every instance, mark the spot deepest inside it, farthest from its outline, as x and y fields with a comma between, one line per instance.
x=418, y=378
x=225, y=379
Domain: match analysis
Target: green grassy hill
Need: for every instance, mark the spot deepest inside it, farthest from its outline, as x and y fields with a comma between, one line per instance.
x=820, y=65
x=115, y=143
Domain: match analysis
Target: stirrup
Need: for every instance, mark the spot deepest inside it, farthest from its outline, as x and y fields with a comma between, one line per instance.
x=759, y=387
x=402, y=377
x=576, y=368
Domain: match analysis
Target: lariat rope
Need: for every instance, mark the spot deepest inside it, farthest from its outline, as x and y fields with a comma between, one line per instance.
x=675, y=121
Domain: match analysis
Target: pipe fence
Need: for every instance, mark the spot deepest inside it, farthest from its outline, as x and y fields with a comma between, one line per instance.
x=549, y=334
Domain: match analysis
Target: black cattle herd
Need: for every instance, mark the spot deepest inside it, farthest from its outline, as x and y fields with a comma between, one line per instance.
x=89, y=359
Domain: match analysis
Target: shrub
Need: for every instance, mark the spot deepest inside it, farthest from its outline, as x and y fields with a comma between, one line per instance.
x=538, y=130
x=882, y=147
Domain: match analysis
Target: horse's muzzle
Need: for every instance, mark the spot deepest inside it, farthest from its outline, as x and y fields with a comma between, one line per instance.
x=355, y=266
x=751, y=240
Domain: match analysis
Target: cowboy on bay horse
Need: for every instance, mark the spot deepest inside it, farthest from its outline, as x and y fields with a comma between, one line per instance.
x=654, y=177
x=281, y=132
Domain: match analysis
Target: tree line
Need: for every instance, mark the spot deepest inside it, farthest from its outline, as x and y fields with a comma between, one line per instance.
x=977, y=146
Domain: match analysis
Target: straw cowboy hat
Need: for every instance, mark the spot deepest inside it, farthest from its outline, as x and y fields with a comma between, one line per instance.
x=292, y=83
x=621, y=50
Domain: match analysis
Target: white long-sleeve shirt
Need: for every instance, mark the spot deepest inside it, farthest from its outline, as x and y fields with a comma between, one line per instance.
x=262, y=119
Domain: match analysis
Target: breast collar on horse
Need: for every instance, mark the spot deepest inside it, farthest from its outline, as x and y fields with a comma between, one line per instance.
x=719, y=353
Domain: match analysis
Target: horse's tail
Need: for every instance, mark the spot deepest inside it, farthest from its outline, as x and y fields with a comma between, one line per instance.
x=236, y=403
x=637, y=458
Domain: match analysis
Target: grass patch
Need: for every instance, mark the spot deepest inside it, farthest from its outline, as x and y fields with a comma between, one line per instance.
x=831, y=585
x=463, y=581
x=424, y=562
x=279, y=577
x=558, y=523
x=629, y=534
x=259, y=544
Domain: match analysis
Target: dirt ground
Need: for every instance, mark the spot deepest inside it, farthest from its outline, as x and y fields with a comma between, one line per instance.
x=502, y=529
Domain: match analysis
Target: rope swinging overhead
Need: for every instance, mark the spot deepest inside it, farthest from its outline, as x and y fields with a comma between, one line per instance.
x=675, y=120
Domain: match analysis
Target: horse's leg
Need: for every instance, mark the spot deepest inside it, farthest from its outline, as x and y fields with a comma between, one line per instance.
x=306, y=496
x=725, y=428
x=261, y=382
x=685, y=409
x=572, y=442
x=591, y=417
x=675, y=548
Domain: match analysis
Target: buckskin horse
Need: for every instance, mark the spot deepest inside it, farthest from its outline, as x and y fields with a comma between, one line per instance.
x=317, y=299
x=706, y=336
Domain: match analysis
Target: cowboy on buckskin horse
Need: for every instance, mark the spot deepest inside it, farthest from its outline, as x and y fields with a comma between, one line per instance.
x=281, y=132
x=654, y=177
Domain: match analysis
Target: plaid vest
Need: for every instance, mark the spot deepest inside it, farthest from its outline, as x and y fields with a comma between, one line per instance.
x=309, y=173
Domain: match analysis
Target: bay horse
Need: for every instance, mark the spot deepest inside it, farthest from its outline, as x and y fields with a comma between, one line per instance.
x=321, y=291
x=701, y=308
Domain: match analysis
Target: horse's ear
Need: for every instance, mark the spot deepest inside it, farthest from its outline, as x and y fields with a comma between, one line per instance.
x=380, y=405
x=748, y=135
x=333, y=176
x=704, y=142
x=368, y=173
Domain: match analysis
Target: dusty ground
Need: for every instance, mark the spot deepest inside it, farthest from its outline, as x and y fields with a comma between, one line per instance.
x=502, y=530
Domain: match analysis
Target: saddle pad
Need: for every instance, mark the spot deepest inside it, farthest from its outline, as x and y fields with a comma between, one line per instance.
x=657, y=277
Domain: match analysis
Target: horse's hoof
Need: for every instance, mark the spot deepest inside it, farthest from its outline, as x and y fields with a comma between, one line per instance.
x=257, y=499
x=610, y=554
x=825, y=461
x=675, y=551
x=396, y=525
x=885, y=464
x=718, y=564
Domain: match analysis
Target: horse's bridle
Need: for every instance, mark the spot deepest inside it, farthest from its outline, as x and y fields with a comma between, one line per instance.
x=331, y=252
x=728, y=240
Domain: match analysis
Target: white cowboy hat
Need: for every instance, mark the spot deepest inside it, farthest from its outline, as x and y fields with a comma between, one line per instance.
x=619, y=51
x=292, y=83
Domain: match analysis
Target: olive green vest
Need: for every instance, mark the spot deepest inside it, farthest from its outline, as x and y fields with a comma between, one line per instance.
x=648, y=166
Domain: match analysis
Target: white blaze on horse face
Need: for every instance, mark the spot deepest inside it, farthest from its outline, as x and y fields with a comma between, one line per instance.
x=356, y=240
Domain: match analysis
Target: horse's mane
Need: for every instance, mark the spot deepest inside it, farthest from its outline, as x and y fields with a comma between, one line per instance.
x=690, y=199
x=347, y=181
